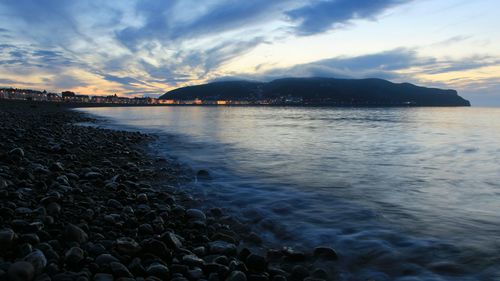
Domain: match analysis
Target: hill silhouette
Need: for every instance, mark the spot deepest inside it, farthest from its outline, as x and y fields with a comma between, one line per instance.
x=321, y=91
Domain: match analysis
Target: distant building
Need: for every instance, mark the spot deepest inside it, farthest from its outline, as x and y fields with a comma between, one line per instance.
x=53, y=97
x=68, y=95
x=222, y=102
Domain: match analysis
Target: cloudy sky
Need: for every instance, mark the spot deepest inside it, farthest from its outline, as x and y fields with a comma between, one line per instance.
x=146, y=47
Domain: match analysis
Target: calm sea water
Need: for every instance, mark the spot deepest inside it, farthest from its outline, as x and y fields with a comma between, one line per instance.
x=401, y=193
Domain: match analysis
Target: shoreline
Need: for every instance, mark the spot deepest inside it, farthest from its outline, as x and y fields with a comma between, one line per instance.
x=89, y=203
x=84, y=105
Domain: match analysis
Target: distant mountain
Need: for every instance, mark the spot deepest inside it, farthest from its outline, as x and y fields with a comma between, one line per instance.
x=320, y=91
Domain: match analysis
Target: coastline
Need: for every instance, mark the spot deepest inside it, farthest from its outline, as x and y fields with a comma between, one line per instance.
x=92, y=203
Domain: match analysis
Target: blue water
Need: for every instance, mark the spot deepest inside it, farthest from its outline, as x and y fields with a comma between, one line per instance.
x=401, y=193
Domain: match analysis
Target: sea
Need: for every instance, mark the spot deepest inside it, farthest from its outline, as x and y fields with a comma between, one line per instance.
x=400, y=193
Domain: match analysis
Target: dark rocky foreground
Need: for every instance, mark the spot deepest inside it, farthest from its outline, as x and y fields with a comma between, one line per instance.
x=84, y=203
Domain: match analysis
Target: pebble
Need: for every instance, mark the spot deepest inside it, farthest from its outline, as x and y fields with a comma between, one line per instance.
x=17, y=152
x=236, y=276
x=119, y=270
x=193, y=260
x=158, y=270
x=127, y=246
x=93, y=175
x=78, y=203
x=222, y=247
x=171, y=240
x=142, y=198
x=74, y=256
x=104, y=259
x=256, y=263
x=115, y=204
x=7, y=237
x=103, y=277
x=195, y=214
x=325, y=253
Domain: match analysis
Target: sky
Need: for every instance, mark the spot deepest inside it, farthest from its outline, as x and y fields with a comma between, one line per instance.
x=147, y=47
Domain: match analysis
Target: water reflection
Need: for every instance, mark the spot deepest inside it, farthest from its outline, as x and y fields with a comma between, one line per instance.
x=413, y=186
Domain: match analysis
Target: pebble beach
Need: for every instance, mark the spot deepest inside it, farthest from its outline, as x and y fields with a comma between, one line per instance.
x=85, y=203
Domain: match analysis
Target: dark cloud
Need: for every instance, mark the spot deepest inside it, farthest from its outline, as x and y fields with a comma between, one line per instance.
x=221, y=16
x=380, y=65
x=320, y=16
x=385, y=65
x=9, y=82
x=64, y=81
x=468, y=63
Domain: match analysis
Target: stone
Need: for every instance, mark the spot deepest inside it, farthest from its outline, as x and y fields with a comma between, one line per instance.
x=142, y=198
x=43, y=277
x=75, y=233
x=93, y=175
x=195, y=214
x=199, y=251
x=136, y=267
x=156, y=247
x=115, y=204
x=66, y=276
x=195, y=274
x=96, y=250
x=53, y=209
x=7, y=237
x=21, y=271
x=192, y=260
x=171, y=240
x=325, y=253
x=119, y=270
x=37, y=259
x=299, y=272
x=256, y=263
x=203, y=175
x=57, y=167
x=222, y=247
x=16, y=153
x=105, y=259
x=320, y=274
x=74, y=256
x=158, y=270
x=236, y=276
x=103, y=277
x=279, y=278
x=145, y=228
x=127, y=246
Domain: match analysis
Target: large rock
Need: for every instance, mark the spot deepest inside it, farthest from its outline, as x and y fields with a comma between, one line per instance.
x=74, y=233
x=38, y=260
x=21, y=271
